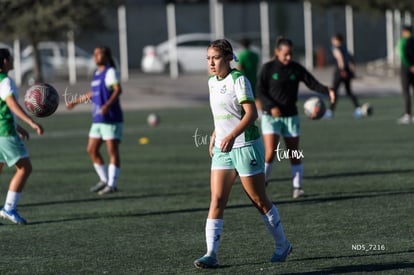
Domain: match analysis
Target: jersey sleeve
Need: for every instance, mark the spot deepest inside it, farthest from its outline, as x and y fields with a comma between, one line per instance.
x=6, y=89
x=311, y=82
x=243, y=89
x=111, y=78
x=409, y=51
x=262, y=89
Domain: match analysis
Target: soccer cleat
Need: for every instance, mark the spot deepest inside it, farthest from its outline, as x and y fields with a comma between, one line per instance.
x=206, y=262
x=98, y=187
x=12, y=216
x=328, y=114
x=405, y=119
x=278, y=258
x=358, y=112
x=107, y=190
x=298, y=192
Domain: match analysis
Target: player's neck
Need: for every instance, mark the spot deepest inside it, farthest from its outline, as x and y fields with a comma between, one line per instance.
x=101, y=68
x=224, y=73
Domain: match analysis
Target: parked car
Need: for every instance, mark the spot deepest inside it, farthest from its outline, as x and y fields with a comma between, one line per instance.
x=191, y=54
x=26, y=68
x=55, y=55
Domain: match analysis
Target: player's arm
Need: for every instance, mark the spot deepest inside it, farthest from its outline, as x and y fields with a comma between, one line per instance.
x=20, y=113
x=212, y=139
x=313, y=84
x=78, y=100
x=409, y=53
x=116, y=92
x=262, y=91
x=248, y=119
x=340, y=61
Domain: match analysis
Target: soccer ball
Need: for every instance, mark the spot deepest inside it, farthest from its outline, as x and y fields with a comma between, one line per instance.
x=41, y=100
x=366, y=109
x=314, y=108
x=153, y=120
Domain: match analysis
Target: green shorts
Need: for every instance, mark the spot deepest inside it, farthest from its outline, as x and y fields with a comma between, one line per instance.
x=106, y=131
x=285, y=126
x=247, y=160
x=12, y=149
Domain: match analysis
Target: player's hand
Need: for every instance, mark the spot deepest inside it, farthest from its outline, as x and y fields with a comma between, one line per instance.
x=332, y=95
x=275, y=112
x=70, y=105
x=344, y=74
x=104, y=110
x=227, y=144
x=412, y=69
x=37, y=127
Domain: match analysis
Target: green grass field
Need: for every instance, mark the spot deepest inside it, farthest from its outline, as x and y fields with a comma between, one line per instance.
x=358, y=181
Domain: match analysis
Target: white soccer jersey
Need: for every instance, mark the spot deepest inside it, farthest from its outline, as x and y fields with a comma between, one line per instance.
x=226, y=96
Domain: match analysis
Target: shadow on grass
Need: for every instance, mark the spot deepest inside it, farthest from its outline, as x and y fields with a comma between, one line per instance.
x=203, y=209
x=100, y=199
x=350, y=174
x=358, y=268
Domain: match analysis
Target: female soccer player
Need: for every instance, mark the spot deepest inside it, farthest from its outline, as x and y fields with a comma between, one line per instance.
x=236, y=149
x=344, y=72
x=107, y=120
x=277, y=88
x=12, y=149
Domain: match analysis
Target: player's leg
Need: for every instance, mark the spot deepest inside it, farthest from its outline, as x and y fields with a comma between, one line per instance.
x=291, y=136
x=271, y=129
x=221, y=183
x=352, y=96
x=270, y=143
x=93, y=148
x=112, y=146
x=337, y=80
x=9, y=211
x=255, y=190
x=112, y=135
x=405, y=87
x=296, y=166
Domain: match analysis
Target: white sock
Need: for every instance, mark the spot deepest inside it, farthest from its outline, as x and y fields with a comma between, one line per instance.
x=272, y=221
x=101, y=171
x=268, y=170
x=213, y=232
x=297, y=173
x=11, y=200
x=113, y=173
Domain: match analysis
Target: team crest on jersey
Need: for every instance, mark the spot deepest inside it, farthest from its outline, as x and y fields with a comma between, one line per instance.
x=223, y=89
x=275, y=76
x=292, y=77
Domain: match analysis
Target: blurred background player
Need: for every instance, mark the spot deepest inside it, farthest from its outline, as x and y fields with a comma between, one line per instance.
x=12, y=148
x=107, y=120
x=277, y=88
x=406, y=51
x=236, y=149
x=248, y=65
x=344, y=72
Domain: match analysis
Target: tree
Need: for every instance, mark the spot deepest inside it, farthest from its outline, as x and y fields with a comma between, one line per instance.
x=35, y=20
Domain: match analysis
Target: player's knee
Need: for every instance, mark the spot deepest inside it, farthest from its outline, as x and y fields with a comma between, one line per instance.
x=91, y=151
x=25, y=168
